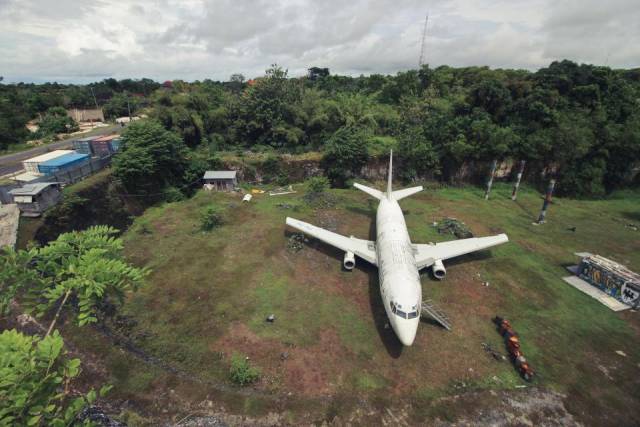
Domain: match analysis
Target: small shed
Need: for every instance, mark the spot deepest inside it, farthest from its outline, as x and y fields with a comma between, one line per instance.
x=220, y=180
x=33, y=199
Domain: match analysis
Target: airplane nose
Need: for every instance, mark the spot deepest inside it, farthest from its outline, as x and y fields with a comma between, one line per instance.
x=406, y=333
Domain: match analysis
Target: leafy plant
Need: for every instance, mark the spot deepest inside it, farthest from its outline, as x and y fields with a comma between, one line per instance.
x=36, y=382
x=241, y=372
x=210, y=218
x=345, y=154
x=317, y=185
x=86, y=267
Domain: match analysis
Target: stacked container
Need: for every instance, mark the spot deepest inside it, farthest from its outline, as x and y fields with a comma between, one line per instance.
x=61, y=163
x=105, y=145
x=31, y=165
x=83, y=145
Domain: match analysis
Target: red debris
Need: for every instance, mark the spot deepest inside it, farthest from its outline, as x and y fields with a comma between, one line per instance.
x=513, y=346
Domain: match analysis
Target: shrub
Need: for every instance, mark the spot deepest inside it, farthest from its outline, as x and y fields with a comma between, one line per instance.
x=172, y=194
x=241, y=372
x=317, y=185
x=210, y=218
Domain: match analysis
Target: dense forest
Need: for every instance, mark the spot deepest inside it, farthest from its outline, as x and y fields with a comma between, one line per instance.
x=579, y=123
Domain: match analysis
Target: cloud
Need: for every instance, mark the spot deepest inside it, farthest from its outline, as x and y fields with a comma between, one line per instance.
x=68, y=40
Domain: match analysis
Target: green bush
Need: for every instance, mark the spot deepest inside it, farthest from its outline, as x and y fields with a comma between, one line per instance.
x=172, y=194
x=241, y=372
x=317, y=185
x=210, y=218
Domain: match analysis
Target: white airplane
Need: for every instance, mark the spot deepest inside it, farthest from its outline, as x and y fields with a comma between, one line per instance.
x=398, y=260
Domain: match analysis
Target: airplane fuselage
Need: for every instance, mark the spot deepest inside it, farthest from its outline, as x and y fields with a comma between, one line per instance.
x=400, y=286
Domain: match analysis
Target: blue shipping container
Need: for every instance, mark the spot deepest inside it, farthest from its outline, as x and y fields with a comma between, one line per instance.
x=63, y=162
x=83, y=145
x=114, y=144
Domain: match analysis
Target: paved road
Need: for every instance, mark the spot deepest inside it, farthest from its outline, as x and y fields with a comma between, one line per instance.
x=12, y=163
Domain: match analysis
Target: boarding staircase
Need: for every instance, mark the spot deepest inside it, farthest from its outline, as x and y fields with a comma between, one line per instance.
x=429, y=309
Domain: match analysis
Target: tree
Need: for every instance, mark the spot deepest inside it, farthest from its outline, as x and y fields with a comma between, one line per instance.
x=268, y=113
x=36, y=387
x=81, y=272
x=417, y=155
x=345, y=154
x=120, y=105
x=316, y=73
x=56, y=121
x=150, y=158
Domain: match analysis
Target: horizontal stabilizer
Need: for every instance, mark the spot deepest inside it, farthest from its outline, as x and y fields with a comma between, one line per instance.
x=370, y=191
x=406, y=192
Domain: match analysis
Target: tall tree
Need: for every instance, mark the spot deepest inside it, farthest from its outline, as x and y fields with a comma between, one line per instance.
x=345, y=154
x=151, y=158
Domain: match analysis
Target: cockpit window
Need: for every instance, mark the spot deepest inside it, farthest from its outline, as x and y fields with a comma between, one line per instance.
x=397, y=310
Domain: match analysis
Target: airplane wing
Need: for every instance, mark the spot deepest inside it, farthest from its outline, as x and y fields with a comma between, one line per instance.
x=365, y=249
x=427, y=254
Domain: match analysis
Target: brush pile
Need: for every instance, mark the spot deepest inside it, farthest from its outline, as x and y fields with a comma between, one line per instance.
x=455, y=227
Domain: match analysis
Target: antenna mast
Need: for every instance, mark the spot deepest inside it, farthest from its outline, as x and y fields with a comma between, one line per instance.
x=424, y=36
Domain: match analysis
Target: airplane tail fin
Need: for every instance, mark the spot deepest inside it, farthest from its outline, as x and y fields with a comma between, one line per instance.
x=390, y=194
x=390, y=177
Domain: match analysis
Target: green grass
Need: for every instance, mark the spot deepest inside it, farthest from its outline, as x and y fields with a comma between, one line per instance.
x=210, y=293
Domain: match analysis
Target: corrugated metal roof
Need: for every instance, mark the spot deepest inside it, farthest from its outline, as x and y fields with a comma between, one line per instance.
x=107, y=138
x=30, y=189
x=27, y=177
x=220, y=174
x=47, y=156
x=89, y=138
x=67, y=158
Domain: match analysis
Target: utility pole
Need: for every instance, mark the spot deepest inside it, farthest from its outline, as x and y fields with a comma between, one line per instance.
x=547, y=201
x=494, y=165
x=424, y=36
x=95, y=101
x=514, y=194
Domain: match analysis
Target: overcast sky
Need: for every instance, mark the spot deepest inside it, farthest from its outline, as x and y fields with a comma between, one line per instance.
x=83, y=41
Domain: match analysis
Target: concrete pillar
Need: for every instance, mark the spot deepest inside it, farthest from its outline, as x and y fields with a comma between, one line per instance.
x=514, y=194
x=547, y=200
x=494, y=165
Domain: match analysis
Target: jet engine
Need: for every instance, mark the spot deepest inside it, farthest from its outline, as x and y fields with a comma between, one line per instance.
x=438, y=269
x=349, y=260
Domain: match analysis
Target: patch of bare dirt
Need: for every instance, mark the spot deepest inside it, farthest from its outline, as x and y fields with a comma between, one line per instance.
x=527, y=407
x=309, y=371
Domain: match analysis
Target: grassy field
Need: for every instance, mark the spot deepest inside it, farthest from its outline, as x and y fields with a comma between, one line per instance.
x=329, y=347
